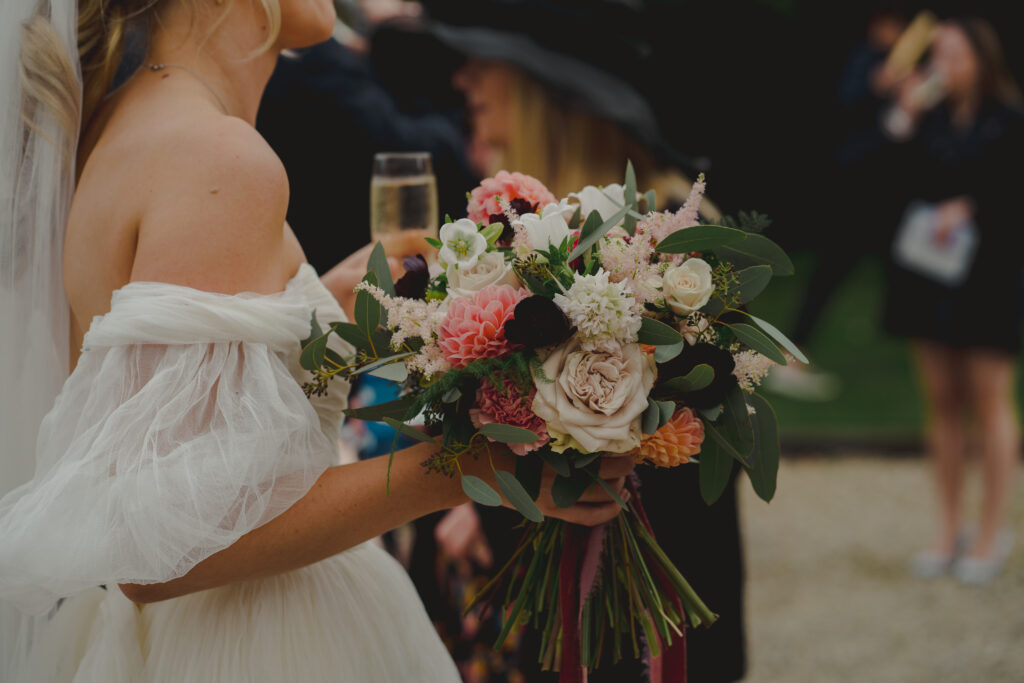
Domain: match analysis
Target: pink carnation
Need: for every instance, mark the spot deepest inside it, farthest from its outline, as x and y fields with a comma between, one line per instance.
x=475, y=328
x=509, y=407
x=483, y=201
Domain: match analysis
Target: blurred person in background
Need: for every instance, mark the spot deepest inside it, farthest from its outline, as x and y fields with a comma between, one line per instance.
x=551, y=91
x=955, y=285
x=326, y=112
x=865, y=87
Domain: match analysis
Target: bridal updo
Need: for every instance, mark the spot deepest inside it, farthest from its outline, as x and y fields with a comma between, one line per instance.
x=49, y=76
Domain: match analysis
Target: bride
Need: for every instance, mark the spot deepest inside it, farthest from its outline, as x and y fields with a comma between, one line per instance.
x=187, y=519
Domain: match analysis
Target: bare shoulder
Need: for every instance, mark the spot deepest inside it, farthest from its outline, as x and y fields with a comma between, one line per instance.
x=213, y=214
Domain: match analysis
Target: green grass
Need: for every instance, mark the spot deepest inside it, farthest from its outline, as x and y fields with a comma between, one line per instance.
x=878, y=397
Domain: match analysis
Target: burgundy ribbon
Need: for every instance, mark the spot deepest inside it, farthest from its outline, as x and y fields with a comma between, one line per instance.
x=581, y=552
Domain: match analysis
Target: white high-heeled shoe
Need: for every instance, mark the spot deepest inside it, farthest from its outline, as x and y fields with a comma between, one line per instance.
x=979, y=570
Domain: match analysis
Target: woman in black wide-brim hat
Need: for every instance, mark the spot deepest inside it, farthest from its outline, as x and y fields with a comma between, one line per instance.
x=555, y=90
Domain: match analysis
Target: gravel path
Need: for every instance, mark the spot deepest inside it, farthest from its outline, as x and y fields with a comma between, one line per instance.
x=829, y=596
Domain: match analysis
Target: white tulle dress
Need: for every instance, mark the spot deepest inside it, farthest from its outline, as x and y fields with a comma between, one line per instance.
x=183, y=427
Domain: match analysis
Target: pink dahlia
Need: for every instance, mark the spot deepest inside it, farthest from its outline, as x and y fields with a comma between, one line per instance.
x=475, y=328
x=510, y=407
x=525, y=194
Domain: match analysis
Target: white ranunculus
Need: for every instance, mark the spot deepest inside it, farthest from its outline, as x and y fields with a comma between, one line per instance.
x=597, y=397
x=490, y=269
x=605, y=200
x=688, y=287
x=545, y=232
x=461, y=244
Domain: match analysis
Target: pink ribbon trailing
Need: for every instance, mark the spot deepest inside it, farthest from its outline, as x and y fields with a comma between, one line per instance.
x=581, y=555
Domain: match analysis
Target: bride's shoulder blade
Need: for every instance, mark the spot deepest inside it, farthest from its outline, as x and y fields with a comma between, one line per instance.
x=213, y=212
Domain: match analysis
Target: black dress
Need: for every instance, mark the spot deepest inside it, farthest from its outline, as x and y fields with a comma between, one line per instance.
x=982, y=162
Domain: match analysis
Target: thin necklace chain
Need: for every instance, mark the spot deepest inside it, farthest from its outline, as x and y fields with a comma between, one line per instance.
x=160, y=67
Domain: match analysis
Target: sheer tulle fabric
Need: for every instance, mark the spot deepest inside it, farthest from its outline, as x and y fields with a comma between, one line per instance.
x=183, y=427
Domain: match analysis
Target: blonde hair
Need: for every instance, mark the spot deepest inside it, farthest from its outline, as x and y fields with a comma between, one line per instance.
x=49, y=76
x=568, y=148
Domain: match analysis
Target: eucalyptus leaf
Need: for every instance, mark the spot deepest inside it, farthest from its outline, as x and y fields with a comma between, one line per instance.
x=723, y=444
x=651, y=417
x=667, y=352
x=559, y=462
x=566, y=491
x=700, y=238
x=436, y=243
x=574, y=222
x=594, y=476
x=752, y=281
x=782, y=339
x=764, y=474
x=381, y=362
x=711, y=413
x=651, y=198
x=352, y=334
x=375, y=413
x=367, y=310
x=758, y=341
x=392, y=372
x=518, y=496
x=656, y=333
x=378, y=264
x=313, y=353
x=715, y=470
x=452, y=395
x=668, y=409
x=507, y=433
x=629, y=194
x=584, y=459
x=590, y=240
x=480, y=491
x=700, y=377
x=408, y=430
x=754, y=250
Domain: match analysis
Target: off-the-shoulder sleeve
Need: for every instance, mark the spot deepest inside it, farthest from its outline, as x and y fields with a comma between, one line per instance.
x=182, y=428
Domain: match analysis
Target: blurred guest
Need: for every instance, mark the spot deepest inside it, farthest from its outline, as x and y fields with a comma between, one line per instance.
x=955, y=286
x=326, y=114
x=550, y=91
x=865, y=86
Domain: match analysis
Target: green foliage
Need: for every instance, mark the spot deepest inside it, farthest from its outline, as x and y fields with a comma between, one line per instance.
x=715, y=470
x=516, y=494
x=758, y=341
x=700, y=238
x=656, y=333
x=480, y=491
x=765, y=470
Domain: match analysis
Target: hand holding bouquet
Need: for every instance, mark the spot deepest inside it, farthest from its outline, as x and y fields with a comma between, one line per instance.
x=568, y=330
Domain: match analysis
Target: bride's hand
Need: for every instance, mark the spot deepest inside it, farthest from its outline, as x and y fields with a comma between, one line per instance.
x=343, y=278
x=594, y=507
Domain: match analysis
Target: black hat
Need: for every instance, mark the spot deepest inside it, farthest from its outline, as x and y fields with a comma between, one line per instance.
x=594, y=52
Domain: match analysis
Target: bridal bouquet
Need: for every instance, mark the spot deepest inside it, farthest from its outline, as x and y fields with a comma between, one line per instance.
x=566, y=330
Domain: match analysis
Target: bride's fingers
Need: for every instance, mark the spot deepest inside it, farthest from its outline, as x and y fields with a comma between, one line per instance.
x=596, y=493
x=614, y=466
x=588, y=514
x=405, y=243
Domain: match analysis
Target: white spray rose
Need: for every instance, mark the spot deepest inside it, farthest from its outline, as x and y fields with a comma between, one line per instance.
x=688, y=287
x=461, y=244
x=597, y=397
x=605, y=200
x=490, y=269
x=545, y=232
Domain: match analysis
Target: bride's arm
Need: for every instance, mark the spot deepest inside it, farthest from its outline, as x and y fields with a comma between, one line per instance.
x=231, y=240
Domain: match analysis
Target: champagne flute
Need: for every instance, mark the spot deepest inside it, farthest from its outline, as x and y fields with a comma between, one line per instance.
x=403, y=195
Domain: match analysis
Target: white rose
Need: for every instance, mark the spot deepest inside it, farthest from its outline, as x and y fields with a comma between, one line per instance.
x=490, y=269
x=688, y=287
x=605, y=200
x=597, y=397
x=461, y=244
x=546, y=232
